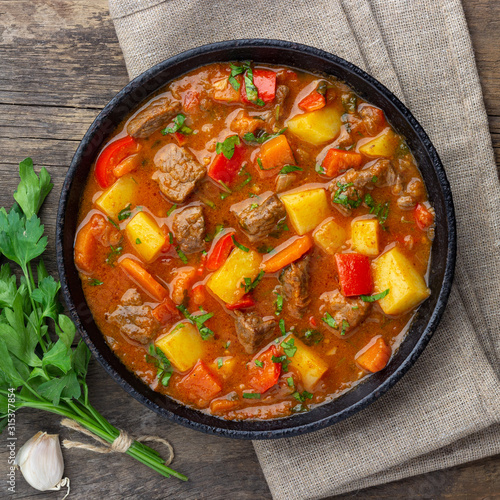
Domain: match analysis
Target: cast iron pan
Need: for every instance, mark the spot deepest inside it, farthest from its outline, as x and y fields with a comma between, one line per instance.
x=304, y=58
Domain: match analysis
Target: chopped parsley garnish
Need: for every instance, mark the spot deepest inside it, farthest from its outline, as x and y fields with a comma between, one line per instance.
x=253, y=206
x=328, y=319
x=199, y=321
x=227, y=147
x=113, y=255
x=354, y=307
x=114, y=223
x=227, y=344
x=374, y=179
x=125, y=213
x=402, y=149
x=170, y=210
x=239, y=245
x=178, y=126
x=95, y=282
x=283, y=360
x=170, y=237
x=289, y=348
x=282, y=326
x=280, y=227
x=265, y=249
x=178, y=327
x=207, y=202
x=250, y=88
x=235, y=71
x=290, y=168
x=138, y=241
x=251, y=395
x=341, y=197
x=249, y=284
x=181, y=255
x=218, y=229
x=345, y=326
x=261, y=138
x=349, y=101
x=246, y=181
x=319, y=168
x=373, y=298
x=312, y=337
x=278, y=303
x=302, y=397
x=380, y=210
x=164, y=368
x=259, y=363
x=220, y=362
x=225, y=187
x=290, y=382
x=259, y=162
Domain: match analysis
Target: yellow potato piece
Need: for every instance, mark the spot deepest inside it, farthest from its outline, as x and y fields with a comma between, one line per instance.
x=183, y=346
x=407, y=288
x=117, y=197
x=318, y=126
x=364, y=237
x=310, y=366
x=145, y=235
x=306, y=209
x=226, y=281
x=383, y=144
x=329, y=236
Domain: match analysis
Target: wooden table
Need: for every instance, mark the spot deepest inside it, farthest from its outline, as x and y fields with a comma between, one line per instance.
x=60, y=63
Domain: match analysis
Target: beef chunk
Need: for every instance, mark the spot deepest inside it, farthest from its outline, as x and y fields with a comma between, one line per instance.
x=252, y=330
x=282, y=92
x=189, y=229
x=341, y=309
x=259, y=221
x=178, y=172
x=134, y=319
x=379, y=174
x=244, y=123
x=157, y=115
x=295, y=286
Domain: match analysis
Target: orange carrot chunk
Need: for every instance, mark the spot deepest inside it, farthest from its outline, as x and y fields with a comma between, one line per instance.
x=376, y=357
x=143, y=279
x=200, y=386
x=337, y=161
x=274, y=154
x=289, y=254
x=85, y=248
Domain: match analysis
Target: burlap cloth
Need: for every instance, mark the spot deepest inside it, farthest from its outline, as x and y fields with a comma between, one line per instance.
x=445, y=411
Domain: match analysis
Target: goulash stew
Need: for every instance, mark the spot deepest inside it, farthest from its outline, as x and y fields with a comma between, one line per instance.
x=254, y=240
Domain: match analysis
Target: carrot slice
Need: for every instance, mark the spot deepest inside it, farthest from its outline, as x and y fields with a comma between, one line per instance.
x=85, y=248
x=289, y=254
x=218, y=406
x=144, y=279
x=274, y=154
x=376, y=357
x=337, y=161
x=126, y=166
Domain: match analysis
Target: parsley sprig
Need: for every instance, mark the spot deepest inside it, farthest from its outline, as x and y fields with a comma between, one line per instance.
x=39, y=367
x=380, y=210
x=178, y=126
x=343, y=199
x=373, y=298
x=162, y=363
x=261, y=138
x=227, y=147
x=198, y=321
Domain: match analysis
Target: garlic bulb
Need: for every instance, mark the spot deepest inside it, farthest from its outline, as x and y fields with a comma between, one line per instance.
x=41, y=462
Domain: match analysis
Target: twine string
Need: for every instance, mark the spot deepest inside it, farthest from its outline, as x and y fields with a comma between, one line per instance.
x=120, y=445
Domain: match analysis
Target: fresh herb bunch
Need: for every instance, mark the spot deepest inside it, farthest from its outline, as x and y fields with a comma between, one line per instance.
x=39, y=371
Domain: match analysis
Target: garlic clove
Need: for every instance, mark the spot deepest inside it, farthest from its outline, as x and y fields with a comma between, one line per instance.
x=41, y=462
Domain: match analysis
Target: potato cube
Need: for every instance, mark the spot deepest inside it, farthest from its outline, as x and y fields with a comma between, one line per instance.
x=383, y=144
x=309, y=365
x=183, y=346
x=329, y=236
x=227, y=280
x=223, y=366
x=145, y=236
x=317, y=127
x=117, y=197
x=306, y=209
x=364, y=237
x=407, y=288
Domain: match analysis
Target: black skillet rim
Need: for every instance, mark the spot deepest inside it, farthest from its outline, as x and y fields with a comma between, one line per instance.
x=323, y=415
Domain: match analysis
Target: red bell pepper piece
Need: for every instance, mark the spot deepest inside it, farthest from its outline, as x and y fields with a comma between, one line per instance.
x=200, y=385
x=354, y=274
x=423, y=217
x=111, y=156
x=245, y=302
x=262, y=378
x=226, y=170
x=337, y=161
x=180, y=138
x=220, y=252
x=265, y=81
x=165, y=311
x=313, y=102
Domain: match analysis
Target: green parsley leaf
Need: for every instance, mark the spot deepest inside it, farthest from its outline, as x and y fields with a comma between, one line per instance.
x=181, y=255
x=282, y=326
x=345, y=326
x=125, y=213
x=343, y=199
x=253, y=206
x=113, y=222
x=290, y=168
x=171, y=209
x=259, y=162
x=259, y=363
x=227, y=147
x=262, y=137
x=250, y=88
x=249, y=284
x=251, y=395
x=349, y=101
x=373, y=298
x=235, y=71
x=290, y=382
x=220, y=362
x=265, y=249
x=283, y=360
x=239, y=245
x=289, y=348
x=278, y=303
x=113, y=255
x=319, y=168
x=381, y=210
x=312, y=337
x=302, y=396
x=138, y=241
x=95, y=282
x=198, y=320
x=178, y=126
x=328, y=319
x=170, y=238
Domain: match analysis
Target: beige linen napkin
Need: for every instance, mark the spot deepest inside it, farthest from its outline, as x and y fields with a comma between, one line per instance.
x=446, y=410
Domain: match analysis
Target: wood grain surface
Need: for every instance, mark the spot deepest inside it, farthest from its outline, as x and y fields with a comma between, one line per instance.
x=60, y=63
